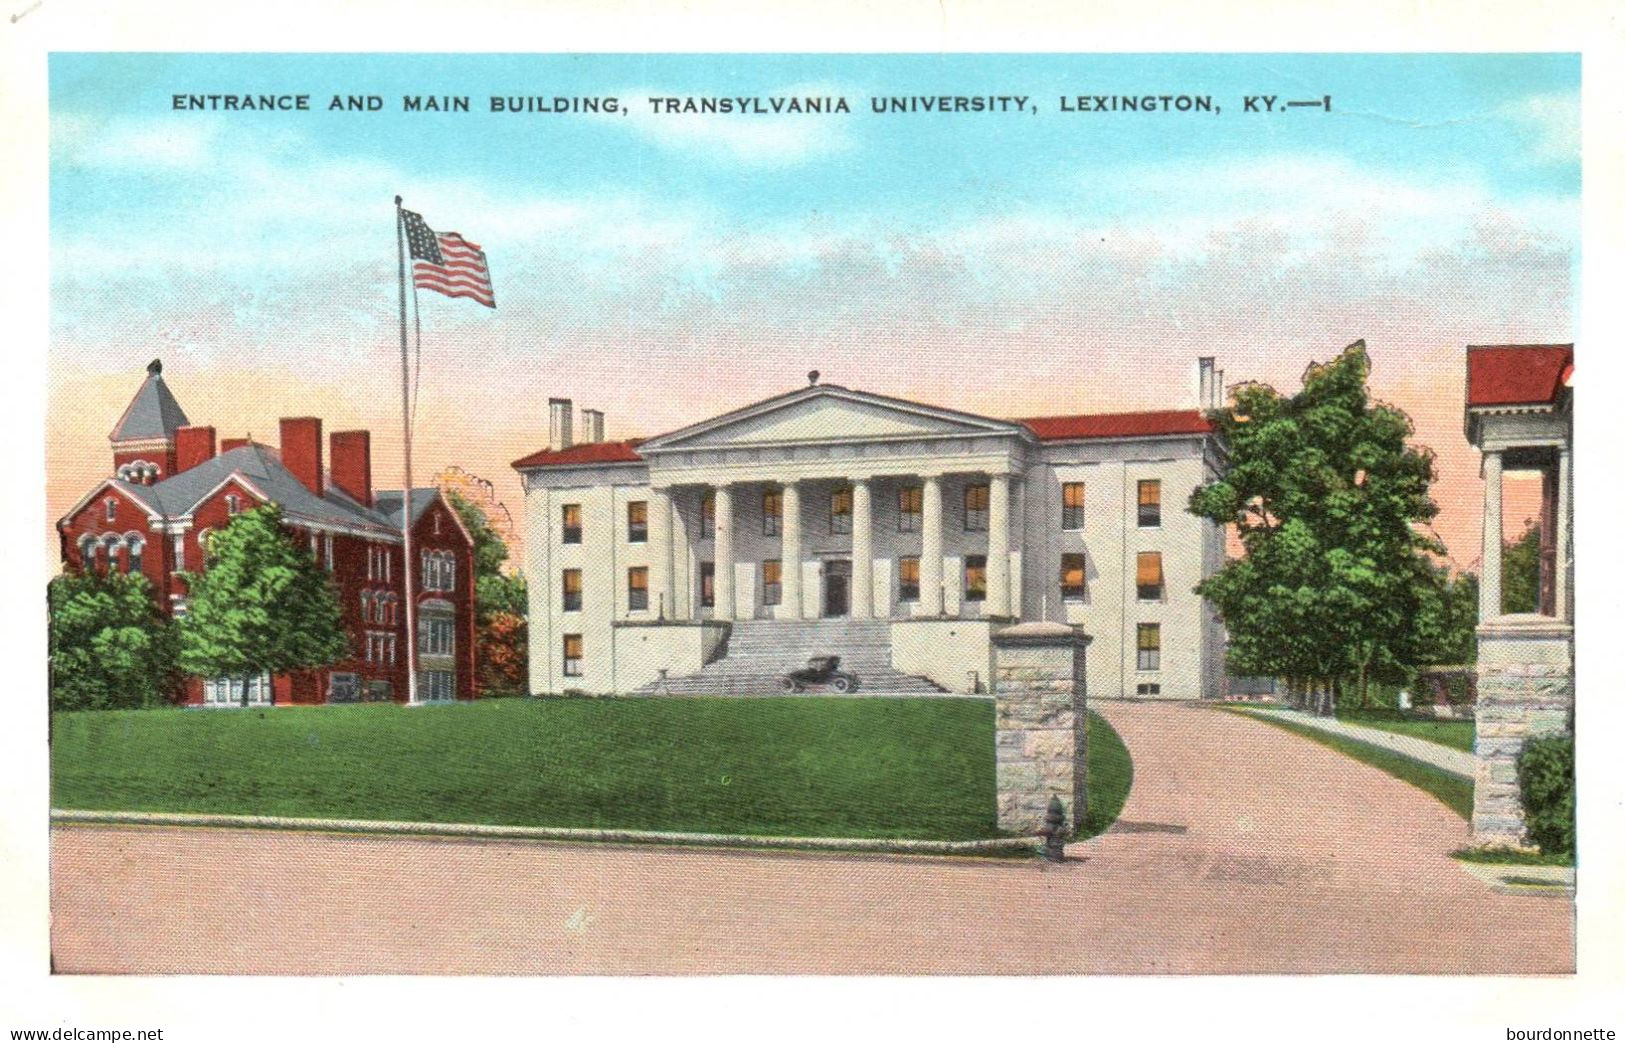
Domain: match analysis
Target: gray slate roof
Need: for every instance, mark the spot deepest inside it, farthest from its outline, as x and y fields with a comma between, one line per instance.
x=262, y=467
x=152, y=413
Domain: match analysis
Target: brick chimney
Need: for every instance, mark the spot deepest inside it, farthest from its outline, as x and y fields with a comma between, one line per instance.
x=193, y=446
x=302, y=450
x=350, y=461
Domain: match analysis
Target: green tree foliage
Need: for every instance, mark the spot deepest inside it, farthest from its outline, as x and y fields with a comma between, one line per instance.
x=110, y=647
x=261, y=605
x=1337, y=581
x=1520, y=571
x=1546, y=788
x=500, y=604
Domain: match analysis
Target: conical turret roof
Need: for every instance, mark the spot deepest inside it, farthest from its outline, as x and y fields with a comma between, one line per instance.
x=153, y=412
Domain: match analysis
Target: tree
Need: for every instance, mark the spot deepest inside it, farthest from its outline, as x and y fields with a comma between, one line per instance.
x=501, y=603
x=1337, y=582
x=1520, y=571
x=261, y=605
x=110, y=647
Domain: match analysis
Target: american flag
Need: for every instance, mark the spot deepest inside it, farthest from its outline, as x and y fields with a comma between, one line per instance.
x=447, y=263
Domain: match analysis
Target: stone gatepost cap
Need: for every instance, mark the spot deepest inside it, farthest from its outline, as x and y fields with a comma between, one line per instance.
x=1040, y=633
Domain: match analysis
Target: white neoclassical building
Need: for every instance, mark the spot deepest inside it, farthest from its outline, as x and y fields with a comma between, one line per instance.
x=896, y=534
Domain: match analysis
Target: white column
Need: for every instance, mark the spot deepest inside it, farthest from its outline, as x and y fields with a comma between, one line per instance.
x=931, y=547
x=863, y=551
x=661, y=602
x=998, y=546
x=1489, y=579
x=790, y=555
x=722, y=567
x=1565, y=558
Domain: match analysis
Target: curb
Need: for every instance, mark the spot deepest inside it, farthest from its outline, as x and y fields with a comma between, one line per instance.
x=1000, y=845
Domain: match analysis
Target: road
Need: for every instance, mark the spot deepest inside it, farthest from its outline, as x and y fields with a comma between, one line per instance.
x=1242, y=848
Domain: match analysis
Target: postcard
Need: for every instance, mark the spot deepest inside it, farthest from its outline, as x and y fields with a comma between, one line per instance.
x=813, y=514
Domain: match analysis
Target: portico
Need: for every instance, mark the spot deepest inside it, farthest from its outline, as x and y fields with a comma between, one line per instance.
x=910, y=510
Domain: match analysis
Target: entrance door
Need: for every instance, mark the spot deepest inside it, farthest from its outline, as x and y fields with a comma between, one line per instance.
x=837, y=588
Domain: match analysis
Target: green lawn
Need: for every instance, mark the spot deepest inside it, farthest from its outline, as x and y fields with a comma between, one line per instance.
x=917, y=768
x=1111, y=773
x=1455, y=734
x=1453, y=791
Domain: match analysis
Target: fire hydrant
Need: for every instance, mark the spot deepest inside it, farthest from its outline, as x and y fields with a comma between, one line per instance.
x=1054, y=832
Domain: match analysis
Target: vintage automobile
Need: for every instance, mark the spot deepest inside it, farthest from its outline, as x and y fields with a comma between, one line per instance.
x=821, y=672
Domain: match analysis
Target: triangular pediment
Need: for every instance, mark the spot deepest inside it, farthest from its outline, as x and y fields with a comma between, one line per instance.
x=827, y=413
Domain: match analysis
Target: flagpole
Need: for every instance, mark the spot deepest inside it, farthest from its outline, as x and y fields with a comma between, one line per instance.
x=406, y=493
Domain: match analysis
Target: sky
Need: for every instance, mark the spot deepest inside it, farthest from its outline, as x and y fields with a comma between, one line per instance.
x=667, y=267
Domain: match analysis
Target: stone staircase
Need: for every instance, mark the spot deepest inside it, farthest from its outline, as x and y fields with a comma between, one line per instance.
x=760, y=651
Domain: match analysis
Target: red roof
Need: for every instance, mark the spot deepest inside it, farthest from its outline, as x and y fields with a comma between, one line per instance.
x=584, y=453
x=1120, y=425
x=1517, y=374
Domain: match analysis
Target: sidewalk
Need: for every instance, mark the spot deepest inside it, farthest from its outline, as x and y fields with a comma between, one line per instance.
x=1442, y=757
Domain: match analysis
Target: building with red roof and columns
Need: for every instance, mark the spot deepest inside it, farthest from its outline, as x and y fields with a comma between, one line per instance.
x=898, y=535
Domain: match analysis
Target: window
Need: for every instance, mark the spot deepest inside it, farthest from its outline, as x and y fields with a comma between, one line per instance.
x=1148, y=689
x=327, y=551
x=392, y=607
x=772, y=512
x=572, y=590
x=439, y=570
x=572, y=655
x=1150, y=504
x=770, y=583
x=637, y=521
x=230, y=691
x=436, y=634
x=112, y=508
x=1148, y=575
x=840, y=511
x=637, y=588
x=975, y=577
x=708, y=584
x=87, y=552
x=1149, y=643
x=910, y=508
x=572, y=523
x=708, y=516
x=110, y=551
x=436, y=686
x=205, y=540
x=1074, y=584
x=366, y=607
x=908, y=579
x=1072, y=505
x=378, y=563
x=975, y=508
x=233, y=503
x=133, y=547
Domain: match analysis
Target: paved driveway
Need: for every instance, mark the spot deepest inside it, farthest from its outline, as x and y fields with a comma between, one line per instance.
x=1242, y=848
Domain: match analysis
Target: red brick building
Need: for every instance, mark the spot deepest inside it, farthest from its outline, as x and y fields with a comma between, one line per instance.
x=172, y=489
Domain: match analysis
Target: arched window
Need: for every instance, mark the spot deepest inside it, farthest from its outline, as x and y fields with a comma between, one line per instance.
x=134, y=546
x=111, y=506
x=233, y=503
x=392, y=605
x=366, y=606
x=110, y=548
x=205, y=537
x=87, y=552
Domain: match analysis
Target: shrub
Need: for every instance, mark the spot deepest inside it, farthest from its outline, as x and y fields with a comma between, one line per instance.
x=1546, y=786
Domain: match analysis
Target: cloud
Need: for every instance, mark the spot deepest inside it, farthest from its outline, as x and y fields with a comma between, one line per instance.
x=743, y=137
x=1553, y=123
x=133, y=144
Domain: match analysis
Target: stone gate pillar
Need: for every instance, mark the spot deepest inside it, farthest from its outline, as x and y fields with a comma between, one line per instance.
x=1040, y=706
x=1525, y=691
